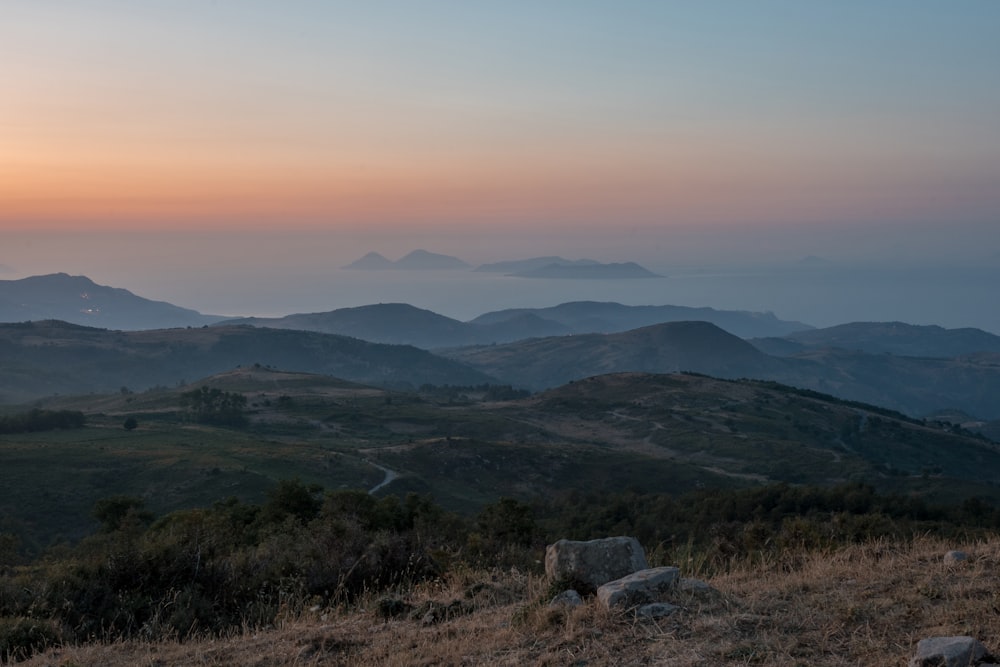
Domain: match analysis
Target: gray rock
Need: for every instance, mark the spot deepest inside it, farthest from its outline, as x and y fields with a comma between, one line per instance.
x=948, y=652
x=594, y=562
x=955, y=556
x=638, y=588
x=696, y=586
x=656, y=610
x=568, y=598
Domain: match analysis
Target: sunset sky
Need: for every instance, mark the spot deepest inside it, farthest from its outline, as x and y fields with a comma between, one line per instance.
x=566, y=114
x=231, y=155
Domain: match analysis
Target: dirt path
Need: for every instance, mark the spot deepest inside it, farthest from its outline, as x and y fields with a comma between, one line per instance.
x=390, y=475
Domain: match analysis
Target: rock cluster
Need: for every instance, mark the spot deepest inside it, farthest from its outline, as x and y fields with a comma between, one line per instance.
x=616, y=569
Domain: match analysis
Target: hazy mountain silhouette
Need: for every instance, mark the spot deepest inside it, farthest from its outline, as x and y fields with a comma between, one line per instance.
x=42, y=358
x=371, y=262
x=79, y=300
x=609, y=317
x=523, y=265
x=401, y=323
x=621, y=271
x=912, y=385
x=406, y=324
x=889, y=337
x=662, y=348
x=417, y=260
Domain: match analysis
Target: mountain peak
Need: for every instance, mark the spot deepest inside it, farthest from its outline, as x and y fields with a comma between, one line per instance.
x=415, y=260
x=371, y=261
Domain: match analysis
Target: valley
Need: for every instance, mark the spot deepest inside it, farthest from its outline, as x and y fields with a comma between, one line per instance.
x=673, y=434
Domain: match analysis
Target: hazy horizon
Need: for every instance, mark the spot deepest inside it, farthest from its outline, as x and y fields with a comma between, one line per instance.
x=230, y=156
x=817, y=282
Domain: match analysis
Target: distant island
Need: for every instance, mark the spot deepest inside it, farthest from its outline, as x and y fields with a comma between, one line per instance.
x=561, y=268
x=615, y=271
x=548, y=267
x=418, y=260
x=533, y=264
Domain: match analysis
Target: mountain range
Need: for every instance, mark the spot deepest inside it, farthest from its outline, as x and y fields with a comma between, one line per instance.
x=912, y=385
x=405, y=324
x=918, y=370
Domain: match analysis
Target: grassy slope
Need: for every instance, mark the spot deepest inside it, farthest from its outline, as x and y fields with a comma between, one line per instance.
x=645, y=433
x=862, y=605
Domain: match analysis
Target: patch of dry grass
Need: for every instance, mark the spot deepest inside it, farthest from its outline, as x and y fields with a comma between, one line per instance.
x=862, y=605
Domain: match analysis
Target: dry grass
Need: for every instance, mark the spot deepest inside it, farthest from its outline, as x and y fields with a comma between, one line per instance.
x=863, y=605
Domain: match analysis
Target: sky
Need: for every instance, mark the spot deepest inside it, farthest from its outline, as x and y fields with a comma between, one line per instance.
x=659, y=131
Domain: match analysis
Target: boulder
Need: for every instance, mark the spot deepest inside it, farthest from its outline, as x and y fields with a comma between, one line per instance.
x=567, y=599
x=638, y=588
x=594, y=562
x=948, y=652
x=955, y=556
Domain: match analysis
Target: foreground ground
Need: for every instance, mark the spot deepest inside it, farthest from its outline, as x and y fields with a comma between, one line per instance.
x=862, y=605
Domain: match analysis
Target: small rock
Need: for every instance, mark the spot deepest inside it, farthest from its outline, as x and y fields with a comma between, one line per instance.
x=568, y=598
x=955, y=556
x=948, y=652
x=656, y=610
x=694, y=586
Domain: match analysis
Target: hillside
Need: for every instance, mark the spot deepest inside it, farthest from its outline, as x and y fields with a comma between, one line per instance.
x=661, y=348
x=79, y=300
x=609, y=317
x=648, y=433
x=43, y=358
x=400, y=323
x=403, y=324
x=865, y=604
x=896, y=338
x=915, y=386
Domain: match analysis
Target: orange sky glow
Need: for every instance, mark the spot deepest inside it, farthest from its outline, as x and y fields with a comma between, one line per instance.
x=184, y=115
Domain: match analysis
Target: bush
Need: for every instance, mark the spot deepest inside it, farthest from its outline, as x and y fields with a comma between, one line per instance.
x=22, y=637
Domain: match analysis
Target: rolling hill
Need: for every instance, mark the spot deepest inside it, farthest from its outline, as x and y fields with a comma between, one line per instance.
x=662, y=348
x=79, y=300
x=915, y=386
x=399, y=323
x=610, y=317
x=896, y=338
x=42, y=358
x=663, y=433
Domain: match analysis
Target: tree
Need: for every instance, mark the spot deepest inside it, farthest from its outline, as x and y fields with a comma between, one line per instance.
x=116, y=512
x=131, y=423
x=214, y=406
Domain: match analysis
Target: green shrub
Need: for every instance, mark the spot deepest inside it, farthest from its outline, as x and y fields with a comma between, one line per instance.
x=22, y=637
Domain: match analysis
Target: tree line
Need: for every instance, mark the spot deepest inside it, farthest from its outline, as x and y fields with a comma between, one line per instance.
x=41, y=420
